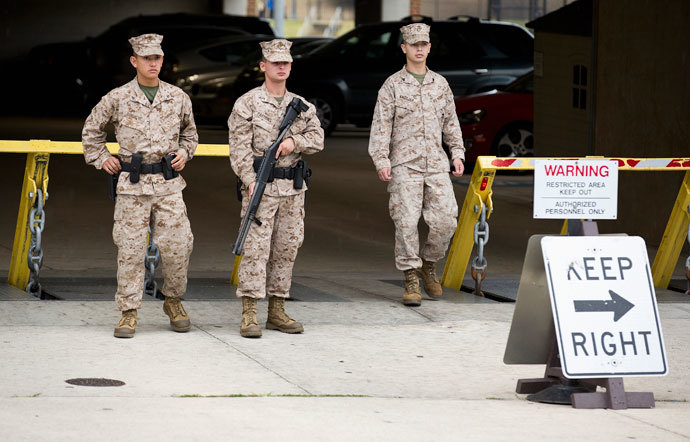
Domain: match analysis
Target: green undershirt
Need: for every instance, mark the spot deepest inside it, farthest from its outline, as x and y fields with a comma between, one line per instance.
x=419, y=77
x=279, y=99
x=149, y=91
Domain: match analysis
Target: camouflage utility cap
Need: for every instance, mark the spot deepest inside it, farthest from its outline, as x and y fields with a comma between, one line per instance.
x=415, y=32
x=147, y=44
x=276, y=50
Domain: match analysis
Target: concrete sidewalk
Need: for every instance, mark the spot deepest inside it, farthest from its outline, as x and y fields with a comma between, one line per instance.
x=366, y=368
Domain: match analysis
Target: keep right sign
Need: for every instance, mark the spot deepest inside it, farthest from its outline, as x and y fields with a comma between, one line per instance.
x=604, y=306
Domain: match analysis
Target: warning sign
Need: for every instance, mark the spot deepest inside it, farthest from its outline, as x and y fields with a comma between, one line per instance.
x=604, y=306
x=575, y=189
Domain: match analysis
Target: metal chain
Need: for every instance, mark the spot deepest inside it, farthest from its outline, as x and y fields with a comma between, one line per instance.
x=479, y=263
x=34, y=259
x=153, y=257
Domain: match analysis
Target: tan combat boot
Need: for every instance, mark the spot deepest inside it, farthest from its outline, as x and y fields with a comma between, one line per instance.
x=432, y=287
x=250, y=326
x=127, y=325
x=278, y=319
x=411, y=295
x=179, y=321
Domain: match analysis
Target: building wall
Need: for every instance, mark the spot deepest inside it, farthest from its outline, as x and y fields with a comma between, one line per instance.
x=559, y=128
x=643, y=102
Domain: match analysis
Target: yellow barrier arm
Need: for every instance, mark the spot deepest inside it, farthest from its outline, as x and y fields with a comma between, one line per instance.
x=478, y=195
x=35, y=177
x=75, y=148
x=674, y=237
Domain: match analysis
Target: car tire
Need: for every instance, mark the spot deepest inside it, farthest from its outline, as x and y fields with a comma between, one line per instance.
x=326, y=110
x=514, y=140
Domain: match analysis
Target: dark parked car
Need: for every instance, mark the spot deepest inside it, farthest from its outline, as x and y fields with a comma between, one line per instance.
x=75, y=75
x=342, y=78
x=499, y=122
x=208, y=72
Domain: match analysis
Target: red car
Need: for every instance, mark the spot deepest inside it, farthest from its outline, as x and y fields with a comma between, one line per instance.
x=499, y=122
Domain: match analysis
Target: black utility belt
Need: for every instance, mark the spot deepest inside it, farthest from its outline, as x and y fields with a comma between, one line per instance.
x=144, y=169
x=298, y=174
x=136, y=167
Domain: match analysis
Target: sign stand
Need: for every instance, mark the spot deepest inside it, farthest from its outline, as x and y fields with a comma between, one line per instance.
x=554, y=387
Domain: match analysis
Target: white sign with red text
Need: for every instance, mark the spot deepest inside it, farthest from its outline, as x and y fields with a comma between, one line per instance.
x=575, y=189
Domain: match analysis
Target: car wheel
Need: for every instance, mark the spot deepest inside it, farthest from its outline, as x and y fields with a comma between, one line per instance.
x=515, y=140
x=326, y=111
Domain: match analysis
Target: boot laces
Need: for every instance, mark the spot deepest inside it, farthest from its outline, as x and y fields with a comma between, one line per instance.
x=249, y=314
x=176, y=307
x=248, y=320
x=411, y=281
x=430, y=269
x=128, y=319
x=278, y=310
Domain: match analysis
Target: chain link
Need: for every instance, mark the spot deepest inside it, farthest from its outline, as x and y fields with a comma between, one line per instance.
x=153, y=257
x=479, y=263
x=34, y=259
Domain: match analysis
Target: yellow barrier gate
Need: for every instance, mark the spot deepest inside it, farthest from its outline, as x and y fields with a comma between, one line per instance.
x=478, y=200
x=35, y=180
x=34, y=188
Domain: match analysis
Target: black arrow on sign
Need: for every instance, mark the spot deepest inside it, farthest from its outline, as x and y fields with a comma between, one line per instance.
x=618, y=305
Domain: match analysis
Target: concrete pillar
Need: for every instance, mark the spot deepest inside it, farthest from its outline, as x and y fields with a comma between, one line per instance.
x=279, y=17
x=235, y=7
x=395, y=9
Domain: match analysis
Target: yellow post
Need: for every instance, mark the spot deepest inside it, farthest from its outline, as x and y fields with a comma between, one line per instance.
x=478, y=195
x=35, y=177
x=674, y=237
x=564, y=228
x=234, y=279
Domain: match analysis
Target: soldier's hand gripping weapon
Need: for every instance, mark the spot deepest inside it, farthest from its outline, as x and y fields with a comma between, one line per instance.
x=295, y=107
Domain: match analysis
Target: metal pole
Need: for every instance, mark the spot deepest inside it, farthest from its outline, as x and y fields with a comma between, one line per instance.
x=279, y=17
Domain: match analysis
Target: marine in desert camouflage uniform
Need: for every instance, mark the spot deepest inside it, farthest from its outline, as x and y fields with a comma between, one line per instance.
x=271, y=248
x=152, y=118
x=414, y=114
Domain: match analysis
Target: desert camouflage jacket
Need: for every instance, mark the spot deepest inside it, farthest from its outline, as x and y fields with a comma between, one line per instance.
x=411, y=121
x=152, y=129
x=254, y=125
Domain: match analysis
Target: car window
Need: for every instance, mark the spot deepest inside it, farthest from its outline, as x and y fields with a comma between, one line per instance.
x=449, y=41
x=372, y=44
x=350, y=46
x=180, y=38
x=229, y=52
x=511, y=41
x=376, y=46
x=305, y=47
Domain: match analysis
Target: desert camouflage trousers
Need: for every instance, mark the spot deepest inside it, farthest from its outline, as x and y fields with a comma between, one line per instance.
x=171, y=233
x=271, y=248
x=414, y=194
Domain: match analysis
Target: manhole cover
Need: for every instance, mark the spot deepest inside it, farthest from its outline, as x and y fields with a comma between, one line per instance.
x=95, y=382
